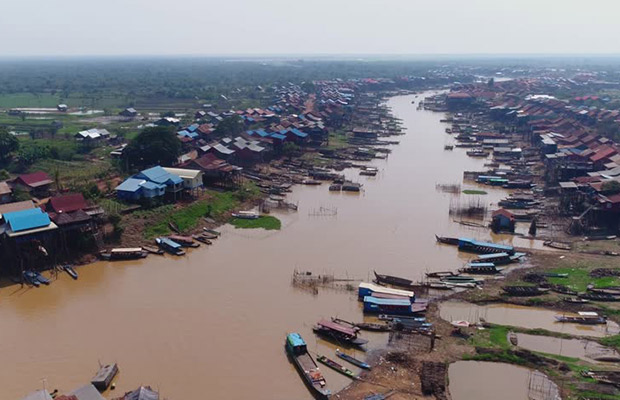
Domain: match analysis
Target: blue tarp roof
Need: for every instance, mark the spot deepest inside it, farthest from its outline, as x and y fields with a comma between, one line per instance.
x=295, y=131
x=278, y=136
x=186, y=133
x=385, y=302
x=192, y=127
x=27, y=219
x=159, y=175
x=130, y=185
x=296, y=340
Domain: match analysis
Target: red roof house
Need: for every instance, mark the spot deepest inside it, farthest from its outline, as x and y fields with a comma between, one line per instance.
x=67, y=203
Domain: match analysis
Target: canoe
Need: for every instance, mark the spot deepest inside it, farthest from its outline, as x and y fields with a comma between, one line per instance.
x=70, y=271
x=336, y=367
x=352, y=360
x=202, y=238
x=296, y=349
x=394, y=280
x=185, y=241
x=213, y=232
x=447, y=240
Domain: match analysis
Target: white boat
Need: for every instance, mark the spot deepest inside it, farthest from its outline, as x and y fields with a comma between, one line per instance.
x=246, y=215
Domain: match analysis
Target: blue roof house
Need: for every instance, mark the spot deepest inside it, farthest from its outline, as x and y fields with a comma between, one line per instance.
x=160, y=176
x=25, y=222
x=133, y=189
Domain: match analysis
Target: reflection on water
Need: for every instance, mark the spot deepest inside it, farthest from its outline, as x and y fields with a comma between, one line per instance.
x=217, y=318
x=491, y=381
x=521, y=316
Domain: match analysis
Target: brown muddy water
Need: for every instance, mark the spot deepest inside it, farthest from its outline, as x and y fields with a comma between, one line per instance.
x=521, y=316
x=214, y=321
x=491, y=381
x=587, y=350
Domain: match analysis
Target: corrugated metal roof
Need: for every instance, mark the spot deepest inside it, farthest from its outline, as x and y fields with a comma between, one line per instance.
x=130, y=185
x=159, y=175
x=27, y=219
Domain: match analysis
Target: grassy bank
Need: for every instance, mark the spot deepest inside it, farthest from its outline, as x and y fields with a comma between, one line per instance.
x=579, y=277
x=473, y=191
x=264, y=222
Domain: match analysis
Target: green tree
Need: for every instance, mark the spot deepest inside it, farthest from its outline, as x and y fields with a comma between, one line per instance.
x=229, y=126
x=153, y=146
x=8, y=144
x=610, y=187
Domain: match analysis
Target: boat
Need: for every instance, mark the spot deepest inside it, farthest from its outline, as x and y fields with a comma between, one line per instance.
x=336, y=367
x=461, y=278
x=311, y=182
x=554, y=275
x=129, y=253
x=393, y=280
x=170, y=246
x=524, y=290
x=202, y=238
x=352, y=360
x=369, y=289
x=246, y=215
x=297, y=350
x=369, y=171
x=152, y=250
x=598, y=296
x=31, y=278
x=70, y=271
x=447, y=240
x=481, y=268
x=335, y=187
x=437, y=285
x=607, y=377
x=497, y=258
x=475, y=246
x=213, y=232
x=583, y=317
x=104, y=376
x=557, y=245
x=440, y=274
x=448, y=147
x=208, y=234
x=339, y=332
x=467, y=285
x=513, y=338
x=40, y=278
x=185, y=241
x=575, y=300
x=610, y=290
x=174, y=227
x=477, y=153
x=375, y=327
x=373, y=305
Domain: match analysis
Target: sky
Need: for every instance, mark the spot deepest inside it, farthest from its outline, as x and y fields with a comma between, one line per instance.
x=281, y=27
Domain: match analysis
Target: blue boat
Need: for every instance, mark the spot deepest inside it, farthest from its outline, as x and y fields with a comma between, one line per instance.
x=30, y=278
x=476, y=246
x=306, y=366
x=41, y=278
x=374, y=305
x=368, y=289
x=170, y=246
x=352, y=360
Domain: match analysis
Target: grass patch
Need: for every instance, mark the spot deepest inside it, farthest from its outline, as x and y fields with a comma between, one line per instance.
x=474, y=191
x=579, y=278
x=611, y=341
x=504, y=356
x=337, y=140
x=265, y=222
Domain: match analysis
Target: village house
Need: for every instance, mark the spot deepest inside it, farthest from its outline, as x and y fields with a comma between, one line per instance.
x=214, y=169
x=92, y=136
x=62, y=107
x=129, y=113
x=36, y=183
x=503, y=220
x=133, y=190
x=159, y=176
x=192, y=178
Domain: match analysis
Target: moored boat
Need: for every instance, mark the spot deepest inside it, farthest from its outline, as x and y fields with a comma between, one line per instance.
x=336, y=367
x=170, y=246
x=583, y=317
x=440, y=274
x=104, y=376
x=30, y=278
x=447, y=240
x=152, y=250
x=352, y=360
x=297, y=350
x=393, y=280
x=40, y=278
x=70, y=271
x=126, y=253
x=339, y=332
x=202, y=238
x=375, y=327
x=185, y=241
x=481, y=269
x=575, y=300
x=246, y=215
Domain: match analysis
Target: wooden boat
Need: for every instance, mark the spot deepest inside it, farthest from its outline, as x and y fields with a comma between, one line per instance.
x=336, y=367
x=447, y=240
x=440, y=274
x=477, y=153
x=481, y=268
x=524, y=290
x=40, y=278
x=208, y=234
x=170, y=246
x=607, y=377
x=128, y=253
x=70, y=271
x=153, y=250
x=174, y=227
x=311, y=182
x=369, y=326
x=212, y=231
x=460, y=278
x=612, y=291
x=352, y=360
x=448, y=147
x=437, y=285
x=202, y=238
x=340, y=333
x=246, y=215
x=467, y=285
x=557, y=245
x=393, y=280
x=563, y=290
x=185, y=241
x=598, y=296
x=369, y=171
x=583, y=317
x=297, y=350
x=575, y=300
x=335, y=187
x=104, y=376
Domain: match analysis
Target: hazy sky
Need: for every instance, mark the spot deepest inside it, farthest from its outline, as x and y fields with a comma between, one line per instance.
x=208, y=27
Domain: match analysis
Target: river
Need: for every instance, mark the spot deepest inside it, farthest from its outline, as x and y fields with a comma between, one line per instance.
x=213, y=322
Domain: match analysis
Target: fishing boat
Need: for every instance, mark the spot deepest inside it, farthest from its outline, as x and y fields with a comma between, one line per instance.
x=437, y=285
x=340, y=333
x=575, y=300
x=461, y=278
x=557, y=245
x=70, y=271
x=153, y=250
x=393, y=280
x=375, y=327
x=583, y=317
x=448, y=147
x=297, y=350
x=352, y=360
x=375, y=305
x=447, y=240
x=129, y=253
x=185, y=241
x=31, y=278
x=213, y=232
x=40, y=278
x=477, y=153
x=440, y=274
x=524, y=290
x=335, y=187
x=202, y=238
x=554, y=275
x=336, y=367
x=246, y=215
x=466, y=285
x=104, y=376
x=599, y=296
x=311, y=182
x=208, y=234
x=481, y=268
x=170, y=246
x=369, y=171
x=497, y=258
x=369, y=289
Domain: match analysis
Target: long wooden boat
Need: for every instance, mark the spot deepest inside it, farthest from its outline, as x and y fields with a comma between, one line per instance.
x=524, y=290
x=40, y=278
x=127, y=253
x=152, y=250
x=352, y=360
x=246, y=215
x=375, y=327
x=460, y=278
x=394, y=280
x=202, y=238
x=598, y=296
x=208, y=234
x=297, y=350
x=575, y=300
x=440, y=274
x=557, y=245
x=70, y=271
x=185, y=241
x=104, y=376
x=170, y=246
x=481, y=269
x=437, y=285
x=447, y=240
x=583, y=317
x=336, y=367
x=213, y=232
x=340, y=333
x=30, y=278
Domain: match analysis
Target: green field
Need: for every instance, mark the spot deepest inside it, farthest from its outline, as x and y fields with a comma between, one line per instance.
x=472, y=191
x=579, y=278
x=264, y=222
